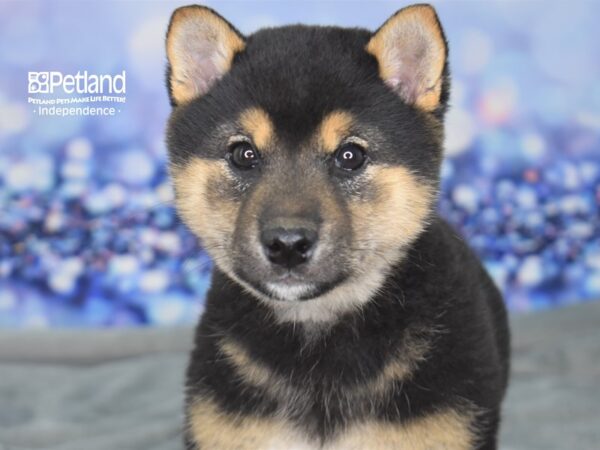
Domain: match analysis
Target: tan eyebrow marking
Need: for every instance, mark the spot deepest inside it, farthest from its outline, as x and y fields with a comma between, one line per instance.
x=334, y=127
x=257, y=123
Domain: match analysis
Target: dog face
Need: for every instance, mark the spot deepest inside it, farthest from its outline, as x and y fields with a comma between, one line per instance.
x=306, y=159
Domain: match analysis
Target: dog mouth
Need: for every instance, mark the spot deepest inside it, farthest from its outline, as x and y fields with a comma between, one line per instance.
x=290, y=287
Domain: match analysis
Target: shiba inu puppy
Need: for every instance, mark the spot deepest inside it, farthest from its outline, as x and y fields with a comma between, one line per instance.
x=343, y=312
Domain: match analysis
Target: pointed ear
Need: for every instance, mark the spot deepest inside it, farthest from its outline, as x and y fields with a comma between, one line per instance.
x=411, y=51
x=200, y=49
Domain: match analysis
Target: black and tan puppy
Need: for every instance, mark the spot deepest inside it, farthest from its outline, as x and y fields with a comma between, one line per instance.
x=344, y=314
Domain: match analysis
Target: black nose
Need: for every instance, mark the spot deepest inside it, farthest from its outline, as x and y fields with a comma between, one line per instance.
x=288, y=247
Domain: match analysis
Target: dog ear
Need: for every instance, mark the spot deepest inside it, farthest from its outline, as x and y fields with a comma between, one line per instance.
x=201, y=46
x=411, y=51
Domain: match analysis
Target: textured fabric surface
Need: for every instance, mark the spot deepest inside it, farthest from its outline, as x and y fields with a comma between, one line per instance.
x=122, y=390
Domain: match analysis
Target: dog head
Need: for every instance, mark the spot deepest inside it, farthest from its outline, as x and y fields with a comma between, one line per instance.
x=306, y=159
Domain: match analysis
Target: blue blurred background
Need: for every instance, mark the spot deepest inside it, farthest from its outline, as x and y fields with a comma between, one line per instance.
x=88, y=236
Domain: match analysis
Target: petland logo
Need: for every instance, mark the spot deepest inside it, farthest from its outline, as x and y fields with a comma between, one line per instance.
x=81, y=88
x=80, y=83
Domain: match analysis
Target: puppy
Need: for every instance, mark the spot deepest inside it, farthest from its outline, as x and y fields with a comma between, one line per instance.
x=344, y=313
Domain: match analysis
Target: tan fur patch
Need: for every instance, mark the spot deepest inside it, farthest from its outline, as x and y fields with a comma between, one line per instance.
x=211, y=219
x=258, y=124
x=213, y=429
x=414, y=25
x=446, y=430
x=401, y=367
x=334, y=127
x=291, y=400
x=190, y=25
x=388, y=224
x=251, y=371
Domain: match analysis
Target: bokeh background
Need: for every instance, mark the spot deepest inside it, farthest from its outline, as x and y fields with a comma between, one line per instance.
x=88, y=235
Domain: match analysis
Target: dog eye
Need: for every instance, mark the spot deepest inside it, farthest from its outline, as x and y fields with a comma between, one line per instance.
x=350, y=157
x=243, y=155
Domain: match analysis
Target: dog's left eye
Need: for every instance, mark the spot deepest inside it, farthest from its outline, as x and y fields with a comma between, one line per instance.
x=350, y=157
x=243, y=155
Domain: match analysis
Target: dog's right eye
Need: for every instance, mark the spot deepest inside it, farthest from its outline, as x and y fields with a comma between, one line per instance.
x=243, y=155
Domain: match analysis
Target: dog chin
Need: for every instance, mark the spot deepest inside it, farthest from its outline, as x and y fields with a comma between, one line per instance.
x=291, y=292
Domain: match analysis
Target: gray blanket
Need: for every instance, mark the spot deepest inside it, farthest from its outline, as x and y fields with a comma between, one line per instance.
x=122, y=389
